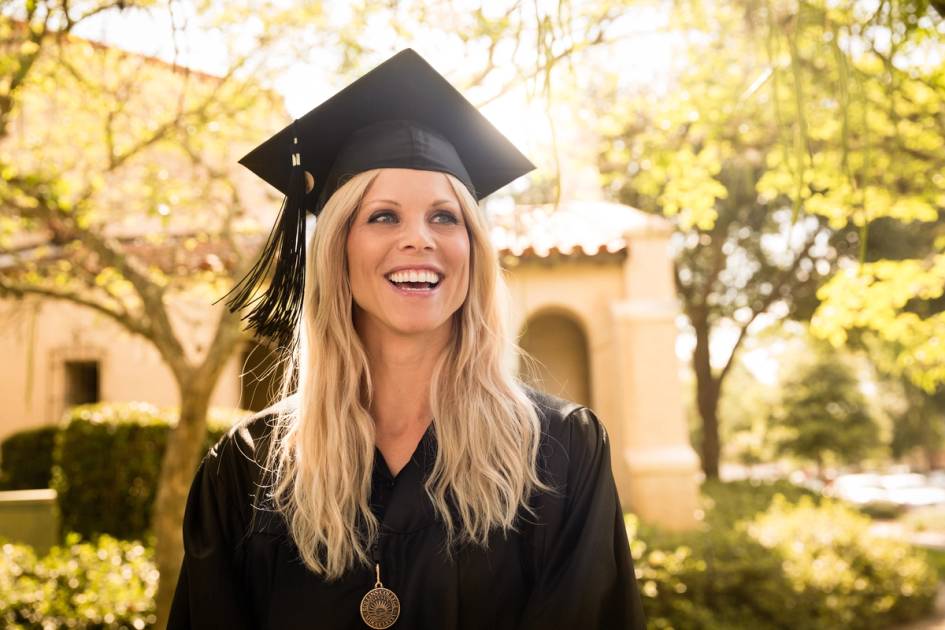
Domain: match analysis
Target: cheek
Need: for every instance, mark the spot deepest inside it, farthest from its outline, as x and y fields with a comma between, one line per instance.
x=357, y=261
x=461, y=260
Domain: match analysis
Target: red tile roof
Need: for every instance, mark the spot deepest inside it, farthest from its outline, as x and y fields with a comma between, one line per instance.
x=574, y=228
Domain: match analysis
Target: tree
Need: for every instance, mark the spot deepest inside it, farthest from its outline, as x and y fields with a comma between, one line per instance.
x=118, y=198
x=823, y=417
x=863, y=145
x=697, y=155
x=771, y=178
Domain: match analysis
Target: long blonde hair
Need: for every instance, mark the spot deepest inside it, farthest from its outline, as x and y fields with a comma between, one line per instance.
x=486, y=428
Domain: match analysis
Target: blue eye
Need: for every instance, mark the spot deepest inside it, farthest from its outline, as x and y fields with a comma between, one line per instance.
x=445, y=216
x=383, y=216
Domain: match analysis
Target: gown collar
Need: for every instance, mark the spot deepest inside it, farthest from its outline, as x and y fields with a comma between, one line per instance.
x=408, y=508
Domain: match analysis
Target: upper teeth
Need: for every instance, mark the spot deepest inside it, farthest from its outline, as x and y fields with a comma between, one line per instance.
x=412, y=275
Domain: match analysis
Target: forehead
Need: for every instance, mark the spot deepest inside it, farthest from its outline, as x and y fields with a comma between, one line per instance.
x=405, y=184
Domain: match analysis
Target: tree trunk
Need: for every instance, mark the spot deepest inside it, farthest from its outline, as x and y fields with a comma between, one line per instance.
x=184, y=448
x=707, y=399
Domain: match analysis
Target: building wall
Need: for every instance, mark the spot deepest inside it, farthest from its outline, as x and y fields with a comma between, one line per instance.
x=556, y=357
x=626, y=306
x=582, y=289
x=37, y=338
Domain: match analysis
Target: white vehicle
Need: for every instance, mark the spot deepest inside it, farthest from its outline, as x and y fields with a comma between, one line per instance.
x=905, y=490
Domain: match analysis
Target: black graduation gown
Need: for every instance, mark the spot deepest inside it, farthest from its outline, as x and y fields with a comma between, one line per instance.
x=569, y=568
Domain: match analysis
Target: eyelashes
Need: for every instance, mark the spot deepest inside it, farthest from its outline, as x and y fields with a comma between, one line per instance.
x=448, y=216
x=377, y=217
x=443, y=217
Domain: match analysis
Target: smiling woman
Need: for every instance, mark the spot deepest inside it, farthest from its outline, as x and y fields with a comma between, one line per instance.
x=407, y=477
x=408, y=255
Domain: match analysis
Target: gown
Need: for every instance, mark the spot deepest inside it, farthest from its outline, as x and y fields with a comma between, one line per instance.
x=568, y=567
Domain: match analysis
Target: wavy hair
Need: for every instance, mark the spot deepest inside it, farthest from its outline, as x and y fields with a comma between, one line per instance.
x=487, y=429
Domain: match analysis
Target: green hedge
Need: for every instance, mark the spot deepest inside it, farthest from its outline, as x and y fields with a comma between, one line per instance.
x=106, y=585
x=107, y=463
x=801, y=564
x=26, y=459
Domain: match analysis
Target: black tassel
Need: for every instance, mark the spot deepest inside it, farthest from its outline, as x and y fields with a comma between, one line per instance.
x=276, y=312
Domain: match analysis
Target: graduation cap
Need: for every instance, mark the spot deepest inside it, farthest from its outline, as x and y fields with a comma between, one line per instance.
x=401, y=114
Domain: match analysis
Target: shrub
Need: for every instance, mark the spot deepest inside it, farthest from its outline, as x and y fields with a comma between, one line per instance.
x=106, y=584
x=108, y=461
x=729, y=502
x=809, y=565
x=712, y=580
x=856, y=578
x=26, y=459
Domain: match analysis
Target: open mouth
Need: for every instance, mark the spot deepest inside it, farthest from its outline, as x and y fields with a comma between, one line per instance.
x=419, y=280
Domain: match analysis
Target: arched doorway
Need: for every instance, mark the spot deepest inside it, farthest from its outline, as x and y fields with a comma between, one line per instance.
x=557, y=358
x=260, y=376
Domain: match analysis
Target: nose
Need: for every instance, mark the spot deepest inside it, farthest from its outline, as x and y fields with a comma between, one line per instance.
x=416, y=235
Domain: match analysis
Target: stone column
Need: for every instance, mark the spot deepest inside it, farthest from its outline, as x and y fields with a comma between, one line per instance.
x=662, y=467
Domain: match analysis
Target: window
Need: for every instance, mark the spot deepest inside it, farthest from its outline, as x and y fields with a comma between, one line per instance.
x=82, y=383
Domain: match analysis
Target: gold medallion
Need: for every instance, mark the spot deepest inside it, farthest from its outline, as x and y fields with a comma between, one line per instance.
x=380, y=606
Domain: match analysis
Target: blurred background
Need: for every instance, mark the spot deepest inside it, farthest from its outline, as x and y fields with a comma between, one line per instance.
x=733, y=249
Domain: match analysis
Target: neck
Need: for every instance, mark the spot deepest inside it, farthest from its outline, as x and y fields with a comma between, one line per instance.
x=402, y=370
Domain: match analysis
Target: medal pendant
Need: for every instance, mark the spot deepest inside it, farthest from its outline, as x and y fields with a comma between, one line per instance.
x=380, y=606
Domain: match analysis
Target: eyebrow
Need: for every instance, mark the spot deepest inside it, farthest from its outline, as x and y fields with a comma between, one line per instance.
x=394, y=203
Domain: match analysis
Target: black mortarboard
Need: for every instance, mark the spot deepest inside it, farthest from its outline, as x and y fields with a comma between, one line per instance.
x=401, y=114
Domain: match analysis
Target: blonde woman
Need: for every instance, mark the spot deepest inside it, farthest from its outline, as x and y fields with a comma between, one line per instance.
x=407, y=478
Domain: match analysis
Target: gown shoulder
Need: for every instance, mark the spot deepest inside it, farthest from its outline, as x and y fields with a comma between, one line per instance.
x=580, y=550
x=571, y=434
x=239, y=457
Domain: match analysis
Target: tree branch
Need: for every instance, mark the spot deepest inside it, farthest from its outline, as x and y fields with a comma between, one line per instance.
x=117, y=159
x=784, y=276
x=126, y=321
x=151, y=294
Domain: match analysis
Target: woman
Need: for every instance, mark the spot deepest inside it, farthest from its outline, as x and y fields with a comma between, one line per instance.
x=410, y=479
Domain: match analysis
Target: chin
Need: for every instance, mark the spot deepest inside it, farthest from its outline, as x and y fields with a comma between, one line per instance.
x=416, y=326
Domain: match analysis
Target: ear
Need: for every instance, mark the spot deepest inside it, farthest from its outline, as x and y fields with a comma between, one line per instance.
x=309, y=182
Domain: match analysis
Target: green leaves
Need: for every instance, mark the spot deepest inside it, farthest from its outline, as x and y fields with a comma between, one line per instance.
x=105, y=583
x=874, y=297
x=691, y=188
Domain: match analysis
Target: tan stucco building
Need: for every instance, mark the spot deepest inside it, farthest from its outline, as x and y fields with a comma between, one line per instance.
x=592, y=298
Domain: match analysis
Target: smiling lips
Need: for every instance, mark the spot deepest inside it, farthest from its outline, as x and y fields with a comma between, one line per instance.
x=415, y=280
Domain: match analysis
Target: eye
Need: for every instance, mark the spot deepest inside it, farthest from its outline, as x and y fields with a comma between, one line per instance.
x=445, y=216
x=383, y=216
